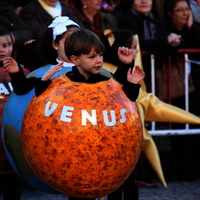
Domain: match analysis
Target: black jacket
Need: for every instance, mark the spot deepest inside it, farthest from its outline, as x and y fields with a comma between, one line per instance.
x=22, y=85
x=11, y=22
x=128, y=20
x=38, y=19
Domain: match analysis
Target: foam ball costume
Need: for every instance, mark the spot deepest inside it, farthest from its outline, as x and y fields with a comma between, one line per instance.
x=82, y=139
x=12, y=124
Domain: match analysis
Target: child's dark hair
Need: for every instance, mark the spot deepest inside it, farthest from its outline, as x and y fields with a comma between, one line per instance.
x=5, y=32
x=82, y=42
x=47, y=52
x=122, y=38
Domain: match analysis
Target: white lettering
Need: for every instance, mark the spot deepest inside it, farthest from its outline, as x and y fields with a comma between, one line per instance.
x=65, y=112
x=48, y=111
x=3, y=89
x=123, y=119
x=10, y=86
x=113, y=118
x=92, y=119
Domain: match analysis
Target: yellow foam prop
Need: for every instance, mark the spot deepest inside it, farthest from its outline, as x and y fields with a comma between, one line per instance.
x=151, y=108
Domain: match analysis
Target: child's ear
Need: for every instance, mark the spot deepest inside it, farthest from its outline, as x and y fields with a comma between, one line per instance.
x=74, y=59
x=55, y=45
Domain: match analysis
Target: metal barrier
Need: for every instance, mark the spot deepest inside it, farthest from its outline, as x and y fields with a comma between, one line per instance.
x=187, y=130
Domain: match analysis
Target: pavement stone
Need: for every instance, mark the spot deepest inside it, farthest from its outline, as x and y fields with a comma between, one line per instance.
x=176, y=191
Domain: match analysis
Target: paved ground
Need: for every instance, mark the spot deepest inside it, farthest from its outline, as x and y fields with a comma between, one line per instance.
x=175, y=191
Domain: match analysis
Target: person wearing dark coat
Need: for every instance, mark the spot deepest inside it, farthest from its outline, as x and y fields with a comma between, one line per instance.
x=36, y=16
x=140, y=17
x=20, y=34
x=11, y=22
x=88, y=15
x=185, y=148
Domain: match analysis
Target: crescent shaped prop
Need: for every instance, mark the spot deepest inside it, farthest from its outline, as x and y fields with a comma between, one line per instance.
x=151, y=108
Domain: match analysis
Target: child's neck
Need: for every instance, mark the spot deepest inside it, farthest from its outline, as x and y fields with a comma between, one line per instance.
x=83, y=72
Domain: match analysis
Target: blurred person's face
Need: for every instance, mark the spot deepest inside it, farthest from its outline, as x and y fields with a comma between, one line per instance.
x=92, y=4
x=6, y=46
x=134, y=47
x=180, y=14
x=142, y=6
x=60, y=47
x=51, y=3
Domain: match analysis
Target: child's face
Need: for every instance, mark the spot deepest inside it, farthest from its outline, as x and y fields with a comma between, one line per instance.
x=134, y=47
x=60, y=47
x=88, y=64
x=6, y=46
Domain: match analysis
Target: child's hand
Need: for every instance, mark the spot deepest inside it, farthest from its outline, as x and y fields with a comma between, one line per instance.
x=10, y=65
x=125, y=55
x=29, y=42
x=136, y=75
x=52, y=71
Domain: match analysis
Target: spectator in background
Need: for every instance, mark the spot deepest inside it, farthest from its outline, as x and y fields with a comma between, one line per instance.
x=37, y=15
x=195, y=7
x=140, y=17
x=87, y=14
x=20, y=33
x=18, y=4
x=10, y=181
x=179, y=20
x=18, y=29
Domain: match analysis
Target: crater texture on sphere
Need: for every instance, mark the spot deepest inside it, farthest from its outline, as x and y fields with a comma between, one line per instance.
x=82, y=139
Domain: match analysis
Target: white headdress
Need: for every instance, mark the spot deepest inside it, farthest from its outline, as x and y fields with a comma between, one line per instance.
x=59, y=25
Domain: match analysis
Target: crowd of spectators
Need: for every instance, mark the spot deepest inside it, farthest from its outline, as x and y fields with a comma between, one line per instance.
x=177, y=28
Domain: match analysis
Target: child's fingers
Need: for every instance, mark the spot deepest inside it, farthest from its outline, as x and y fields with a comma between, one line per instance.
x=6, y=63
x=124, y=50
x=129, y=71
x=58, y=67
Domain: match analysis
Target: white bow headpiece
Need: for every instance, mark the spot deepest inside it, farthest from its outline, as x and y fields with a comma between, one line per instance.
x=59, y=25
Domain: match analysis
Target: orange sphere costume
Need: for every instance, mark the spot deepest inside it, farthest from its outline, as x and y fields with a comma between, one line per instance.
x=82, y=139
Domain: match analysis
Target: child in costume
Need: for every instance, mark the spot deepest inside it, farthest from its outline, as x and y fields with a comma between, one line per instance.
x=10, y=181
x=85, y=49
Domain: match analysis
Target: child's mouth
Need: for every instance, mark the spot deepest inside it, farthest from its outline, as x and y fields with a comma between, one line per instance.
x=97, y=68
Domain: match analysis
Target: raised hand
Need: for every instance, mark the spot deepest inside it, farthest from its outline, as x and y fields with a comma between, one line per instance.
x=10, y=65
x=190, y=20
x=52, y=71
x=136, y=75
x=125, y=55
x=29, y=42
